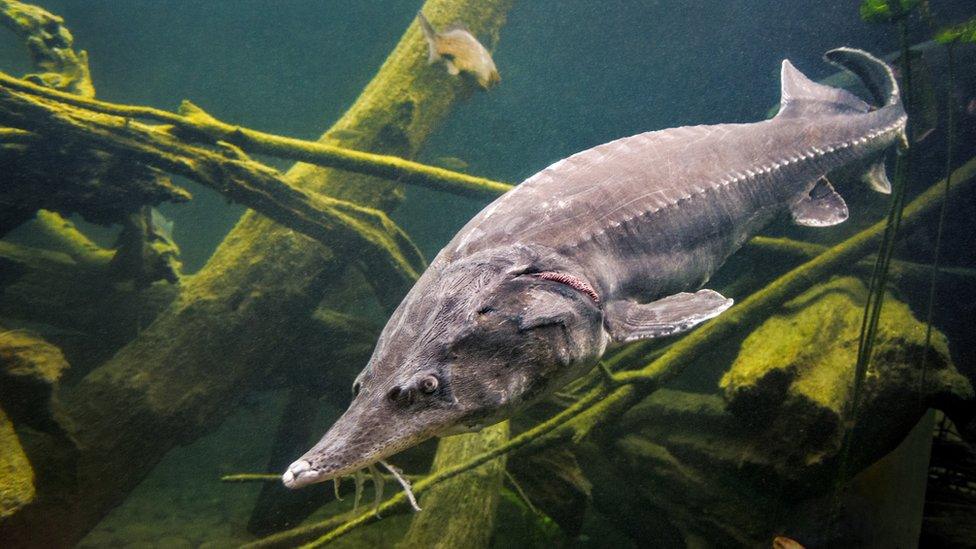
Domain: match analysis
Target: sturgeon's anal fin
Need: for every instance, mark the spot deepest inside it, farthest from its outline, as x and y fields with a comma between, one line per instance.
x=877, y=178
x=821, y=207
x=630, y=321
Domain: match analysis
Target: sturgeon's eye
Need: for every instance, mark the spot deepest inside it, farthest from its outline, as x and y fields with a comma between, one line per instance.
x=356, y=386
x=429, y=384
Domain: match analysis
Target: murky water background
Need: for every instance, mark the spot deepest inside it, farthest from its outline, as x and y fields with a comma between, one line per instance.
x=575, y=74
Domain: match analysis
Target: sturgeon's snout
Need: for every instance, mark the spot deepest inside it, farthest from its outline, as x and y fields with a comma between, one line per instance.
x=299, y=475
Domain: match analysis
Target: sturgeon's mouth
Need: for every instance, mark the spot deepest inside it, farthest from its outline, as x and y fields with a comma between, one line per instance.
x=334, y=456
x=301, y=474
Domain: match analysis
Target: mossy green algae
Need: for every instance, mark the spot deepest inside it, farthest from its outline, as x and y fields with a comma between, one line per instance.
x=16, y=474
x=793, y=377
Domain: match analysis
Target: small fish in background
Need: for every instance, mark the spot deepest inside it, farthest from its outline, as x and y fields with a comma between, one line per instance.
x=783, y=542
x=460, y=51
x=971, y=107
x=451, y=163
x=145, y=251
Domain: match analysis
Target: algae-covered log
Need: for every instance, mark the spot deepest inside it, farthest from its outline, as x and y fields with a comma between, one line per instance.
x=98, y=186
x=67, y=295
x=50, y=45
x=29, y=369
x=65, y=290
x=220, y=338
x=192, y=124
x=379, y=244
x=768, y=456
x=92, y=183
x=461, y=512
x=16, y=475
x=793, y=377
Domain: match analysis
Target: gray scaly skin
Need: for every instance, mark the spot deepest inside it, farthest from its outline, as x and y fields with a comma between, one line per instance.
x=599, y=248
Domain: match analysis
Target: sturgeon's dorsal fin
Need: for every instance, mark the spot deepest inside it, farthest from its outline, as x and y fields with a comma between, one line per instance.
x=821, y=207
x=630, y=321
x=804, y=97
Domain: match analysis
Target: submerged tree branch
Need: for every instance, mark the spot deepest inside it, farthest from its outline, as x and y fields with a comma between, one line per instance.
x=380, y=244
x=606, y=403
x=914, y=272
x=51, y=47
x=194, y=124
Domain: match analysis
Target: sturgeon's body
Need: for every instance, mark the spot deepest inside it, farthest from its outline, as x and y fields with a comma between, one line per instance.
x=606, y=245
x=657, y=213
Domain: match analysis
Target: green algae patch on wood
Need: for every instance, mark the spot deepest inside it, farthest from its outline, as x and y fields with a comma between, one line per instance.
x=964, y=33
x=50, y=44
x=461, y=511
x=26, y=356
x=793, y=377
x=59, y=234
x=16, y=474
x=29, y=369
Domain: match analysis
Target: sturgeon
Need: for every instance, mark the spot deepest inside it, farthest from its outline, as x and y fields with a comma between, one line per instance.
x=607, y=246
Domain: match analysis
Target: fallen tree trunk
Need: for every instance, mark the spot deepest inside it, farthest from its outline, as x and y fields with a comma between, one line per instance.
x=16, y=476
x=220, y=338
x=461, y=512
x=67, y=295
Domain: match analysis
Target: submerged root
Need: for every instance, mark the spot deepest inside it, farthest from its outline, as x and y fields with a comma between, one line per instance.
x=403, y=482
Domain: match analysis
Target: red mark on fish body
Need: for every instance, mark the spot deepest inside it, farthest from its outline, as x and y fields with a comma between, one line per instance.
x=574, y=282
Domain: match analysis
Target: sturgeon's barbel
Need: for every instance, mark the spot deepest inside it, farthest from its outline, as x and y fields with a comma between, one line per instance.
x=600, y=248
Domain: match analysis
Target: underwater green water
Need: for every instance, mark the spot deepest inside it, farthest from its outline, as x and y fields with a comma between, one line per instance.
x=683, y=468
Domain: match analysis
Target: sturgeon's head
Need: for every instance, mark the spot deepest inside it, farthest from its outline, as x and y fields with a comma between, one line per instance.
x=471, y=343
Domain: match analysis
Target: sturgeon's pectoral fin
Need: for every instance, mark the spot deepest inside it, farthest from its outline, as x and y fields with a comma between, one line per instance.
x=821, y=207
x=877, y=178
x=629, y=321
x=451, y=68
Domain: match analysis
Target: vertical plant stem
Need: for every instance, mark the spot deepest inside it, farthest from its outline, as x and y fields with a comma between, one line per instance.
x=950, y=145
x=879, y=278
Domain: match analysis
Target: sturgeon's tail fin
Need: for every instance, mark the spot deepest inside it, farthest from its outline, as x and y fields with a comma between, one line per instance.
x=431, y=35
x=881, y=83
x=801, y=97
x=876, y=75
